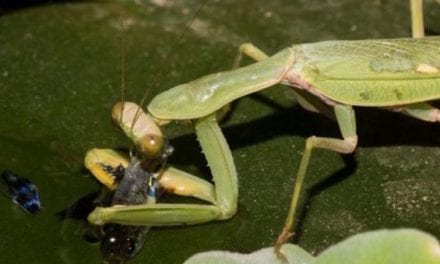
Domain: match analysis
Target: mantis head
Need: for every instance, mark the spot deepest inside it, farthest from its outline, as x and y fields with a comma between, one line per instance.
x=142, y=129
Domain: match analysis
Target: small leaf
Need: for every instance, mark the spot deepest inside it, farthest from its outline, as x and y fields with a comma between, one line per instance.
x=402, y=246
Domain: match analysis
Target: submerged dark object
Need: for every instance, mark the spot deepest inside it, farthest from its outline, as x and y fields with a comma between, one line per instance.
x=23, y=192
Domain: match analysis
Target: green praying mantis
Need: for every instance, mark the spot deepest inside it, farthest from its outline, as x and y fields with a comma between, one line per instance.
x=327, y=77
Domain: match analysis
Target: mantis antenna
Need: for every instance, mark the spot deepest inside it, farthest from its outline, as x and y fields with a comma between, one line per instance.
x=122, y=46
x=165, y=60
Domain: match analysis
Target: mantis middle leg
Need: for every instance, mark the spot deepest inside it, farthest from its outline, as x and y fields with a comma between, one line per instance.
x=346, y=120
x=345, y=117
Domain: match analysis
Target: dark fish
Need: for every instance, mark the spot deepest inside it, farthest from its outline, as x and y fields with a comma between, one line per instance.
x=137, y=186
x=122, y=242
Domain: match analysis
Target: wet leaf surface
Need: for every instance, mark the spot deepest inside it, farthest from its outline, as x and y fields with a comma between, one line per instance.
x=60, y=75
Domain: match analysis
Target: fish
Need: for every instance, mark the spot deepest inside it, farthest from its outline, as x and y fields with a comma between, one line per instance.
x=22, y=192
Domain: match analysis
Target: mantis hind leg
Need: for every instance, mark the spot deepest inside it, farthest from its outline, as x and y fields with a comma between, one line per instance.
x=347, y=124
x=417, y=24
x=423, y=111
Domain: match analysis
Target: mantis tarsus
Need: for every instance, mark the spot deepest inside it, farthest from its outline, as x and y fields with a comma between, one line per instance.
x=330, y=77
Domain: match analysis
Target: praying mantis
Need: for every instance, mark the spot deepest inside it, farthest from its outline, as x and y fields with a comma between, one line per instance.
x=328, y=77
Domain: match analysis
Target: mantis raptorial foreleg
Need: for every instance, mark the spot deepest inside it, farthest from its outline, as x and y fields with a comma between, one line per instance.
x=221, y=164
x=184, y=184
x=104, y=164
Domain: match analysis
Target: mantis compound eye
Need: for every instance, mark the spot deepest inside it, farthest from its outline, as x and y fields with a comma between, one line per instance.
x=157, y=162
x=151, y=145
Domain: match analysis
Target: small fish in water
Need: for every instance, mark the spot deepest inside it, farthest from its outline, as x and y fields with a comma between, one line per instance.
x=23, y=192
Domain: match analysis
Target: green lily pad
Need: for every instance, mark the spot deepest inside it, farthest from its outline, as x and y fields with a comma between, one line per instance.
x=60, y=75
x=292, y=253
x=403, y=246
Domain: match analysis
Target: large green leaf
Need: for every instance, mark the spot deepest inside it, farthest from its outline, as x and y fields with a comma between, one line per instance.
x=403, y=246
x=60, y=75
x=291, y=254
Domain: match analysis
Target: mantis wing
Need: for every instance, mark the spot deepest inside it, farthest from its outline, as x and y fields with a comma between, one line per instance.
x=384, y=72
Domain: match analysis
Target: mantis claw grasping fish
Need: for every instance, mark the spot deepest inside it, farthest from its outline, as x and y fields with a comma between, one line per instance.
x=399, y=74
